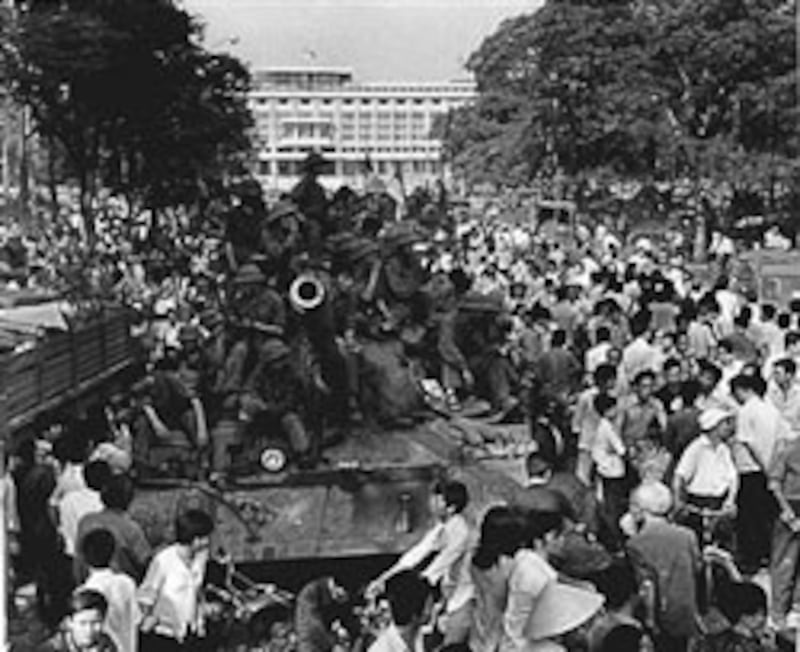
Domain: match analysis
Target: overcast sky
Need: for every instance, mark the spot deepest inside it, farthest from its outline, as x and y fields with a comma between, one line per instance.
x=387, y=40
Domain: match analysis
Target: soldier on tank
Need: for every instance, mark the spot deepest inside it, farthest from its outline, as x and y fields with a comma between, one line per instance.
x=400, y=279
x=243, y=222
x=273, y=401
x=359, y=260
x=310, y=197
x=257, y=311
x=282, y=238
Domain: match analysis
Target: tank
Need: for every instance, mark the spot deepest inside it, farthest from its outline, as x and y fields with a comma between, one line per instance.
x=371, y=498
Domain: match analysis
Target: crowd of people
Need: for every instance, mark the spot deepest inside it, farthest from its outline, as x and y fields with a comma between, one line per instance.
x=664, y=412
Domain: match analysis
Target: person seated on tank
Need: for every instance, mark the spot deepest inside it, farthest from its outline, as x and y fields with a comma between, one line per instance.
x=481, y=334
x=273, y=398
x=255, y=308
x=242, y=359
x=173, y=406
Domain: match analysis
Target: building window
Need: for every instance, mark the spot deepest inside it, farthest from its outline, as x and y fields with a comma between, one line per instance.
x=287, y=168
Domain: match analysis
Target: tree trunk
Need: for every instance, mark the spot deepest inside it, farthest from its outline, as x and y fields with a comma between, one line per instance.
x=52, y=181
x=86, y=207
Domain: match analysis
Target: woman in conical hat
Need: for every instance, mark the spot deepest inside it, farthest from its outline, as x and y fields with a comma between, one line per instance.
x=560, y=614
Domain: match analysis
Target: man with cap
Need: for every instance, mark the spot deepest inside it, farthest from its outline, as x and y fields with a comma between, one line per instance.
x=312, y=200
x=280, y=235
x=401, y=274
x=669, y=555
x=253, y=300
x=256, y=311
x=706, y=475
x=243, y=222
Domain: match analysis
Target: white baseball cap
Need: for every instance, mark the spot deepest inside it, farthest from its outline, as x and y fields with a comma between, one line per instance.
x=711, y=418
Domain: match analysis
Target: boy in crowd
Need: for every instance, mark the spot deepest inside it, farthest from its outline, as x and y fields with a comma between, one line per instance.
x=608, y=454
x=170, y=596
x=82, y=629
x=585, y=418
x=119, y=590
x=446, y=545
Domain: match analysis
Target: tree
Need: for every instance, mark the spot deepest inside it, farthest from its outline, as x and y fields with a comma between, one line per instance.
x=640, y=89
x=128, y=93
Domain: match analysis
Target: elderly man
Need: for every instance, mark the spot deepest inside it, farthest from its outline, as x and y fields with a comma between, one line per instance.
x=668, y=554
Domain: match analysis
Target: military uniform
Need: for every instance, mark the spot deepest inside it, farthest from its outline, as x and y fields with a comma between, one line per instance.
x=273, y=397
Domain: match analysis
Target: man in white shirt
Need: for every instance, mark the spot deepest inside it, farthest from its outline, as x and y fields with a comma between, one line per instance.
x=170, y=595
x=701, y=335
x=585, y=418
x=70, y=453
x=640, y=355
x=783, y=391
x=410, y=601
x=770, y=335
x=76, y=504
x=791, y=350
x=598, y=354
x=122, y=617
x=759, y=426
x=448, y=541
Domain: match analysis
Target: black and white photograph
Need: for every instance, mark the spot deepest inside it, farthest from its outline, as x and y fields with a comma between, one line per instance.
x=399, y=326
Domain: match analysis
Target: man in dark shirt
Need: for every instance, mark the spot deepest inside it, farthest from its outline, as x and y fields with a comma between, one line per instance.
x=559, y=370
x=543, y=481
x=671, y=393
x=132, y=552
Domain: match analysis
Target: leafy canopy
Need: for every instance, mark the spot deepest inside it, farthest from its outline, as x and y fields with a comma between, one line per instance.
x=639, y=89
x=131, y=96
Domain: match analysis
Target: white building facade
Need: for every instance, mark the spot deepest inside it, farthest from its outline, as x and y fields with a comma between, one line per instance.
x=389, y=125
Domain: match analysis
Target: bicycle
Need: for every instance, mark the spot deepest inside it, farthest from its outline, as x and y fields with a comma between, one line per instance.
x=242, y=613
x=716, y=561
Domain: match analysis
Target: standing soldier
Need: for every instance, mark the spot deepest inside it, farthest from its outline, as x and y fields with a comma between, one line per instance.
x=311, y=199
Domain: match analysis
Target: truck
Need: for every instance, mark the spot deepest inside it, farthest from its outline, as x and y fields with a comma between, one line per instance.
x=49, y=365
